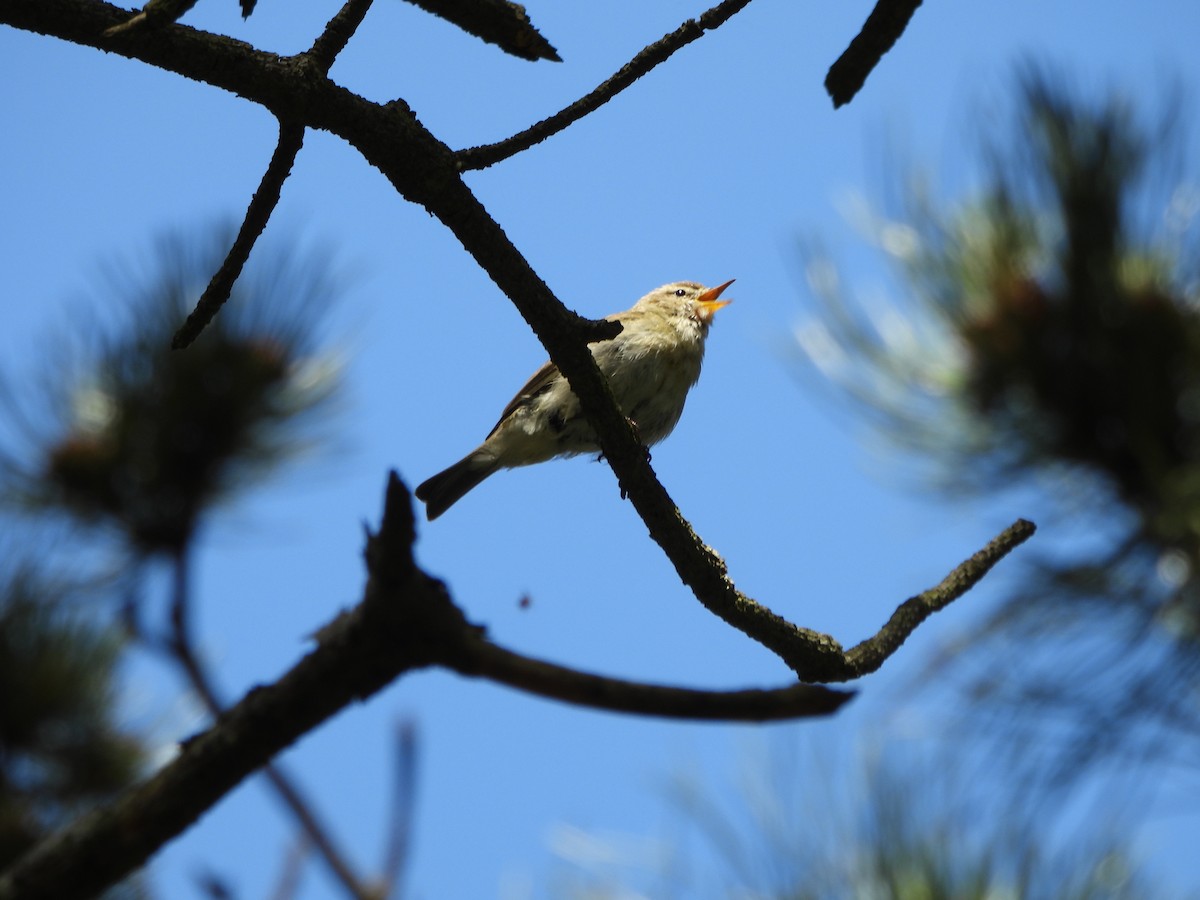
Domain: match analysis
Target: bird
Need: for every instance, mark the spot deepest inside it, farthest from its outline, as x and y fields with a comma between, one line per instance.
x=650, y=366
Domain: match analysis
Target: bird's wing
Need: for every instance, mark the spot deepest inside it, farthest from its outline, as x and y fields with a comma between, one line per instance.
x=543, y=378
x=541, y=381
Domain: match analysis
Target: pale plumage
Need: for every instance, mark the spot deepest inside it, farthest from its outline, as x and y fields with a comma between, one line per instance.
x=651, y=365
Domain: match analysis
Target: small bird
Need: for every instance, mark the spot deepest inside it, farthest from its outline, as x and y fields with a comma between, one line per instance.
x=650, y=366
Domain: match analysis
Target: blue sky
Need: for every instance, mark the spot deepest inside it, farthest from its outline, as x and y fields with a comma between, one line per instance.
x=712, y=167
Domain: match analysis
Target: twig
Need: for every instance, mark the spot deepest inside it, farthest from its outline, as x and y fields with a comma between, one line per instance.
x=288, y=886
x=399, y=843
x=484, y=659
x=870, y=654
x=184, y=652
x=882, y=29
x=337, y=34
x=646, y=59
x=262, y=204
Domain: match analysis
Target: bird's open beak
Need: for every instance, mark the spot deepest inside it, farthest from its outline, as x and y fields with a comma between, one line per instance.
x=708, y=301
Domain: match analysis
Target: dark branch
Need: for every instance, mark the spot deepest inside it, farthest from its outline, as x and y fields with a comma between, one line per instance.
x=870, y=654
x=337, y=34
x=286, y=86
x=646, y=59
x=399, y=626
x=496, y=21
x=405, y=621
x=882, y=29
x=262, y=204
x=484, y=659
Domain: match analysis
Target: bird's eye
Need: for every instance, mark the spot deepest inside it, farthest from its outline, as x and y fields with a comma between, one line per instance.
x=680, y=292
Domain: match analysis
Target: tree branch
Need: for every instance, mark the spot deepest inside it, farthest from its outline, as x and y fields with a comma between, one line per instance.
x=405, y=621
x=262, y=204
x=485, y=659
x=870, y=654
x=337, y=34
x=400, y=625
x=498, y=22
x=879, y=33
x=646, y=59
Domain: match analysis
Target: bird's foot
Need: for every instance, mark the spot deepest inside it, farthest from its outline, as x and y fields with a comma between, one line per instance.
x=638, y=434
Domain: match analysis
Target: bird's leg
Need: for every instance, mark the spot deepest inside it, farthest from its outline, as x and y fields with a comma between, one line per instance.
x=645, y=449
x=637, y=434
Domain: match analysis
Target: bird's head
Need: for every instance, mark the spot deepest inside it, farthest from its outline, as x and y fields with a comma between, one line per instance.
x=687, y=298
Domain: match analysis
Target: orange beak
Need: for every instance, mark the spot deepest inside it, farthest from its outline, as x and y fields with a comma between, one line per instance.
x=708, y=301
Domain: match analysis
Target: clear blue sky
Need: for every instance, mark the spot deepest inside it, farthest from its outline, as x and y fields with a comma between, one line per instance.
x=712, y=167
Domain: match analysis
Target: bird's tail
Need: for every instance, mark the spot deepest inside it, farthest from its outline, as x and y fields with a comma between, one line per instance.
x=446, y=488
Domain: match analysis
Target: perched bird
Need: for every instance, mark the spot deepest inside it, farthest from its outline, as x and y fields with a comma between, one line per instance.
x=650, y=366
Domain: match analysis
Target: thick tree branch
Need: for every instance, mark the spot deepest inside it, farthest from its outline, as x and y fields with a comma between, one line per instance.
x=646, y=59
x=401, y=625
x=882, y=29
x=405, y=621
x=262, y=204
